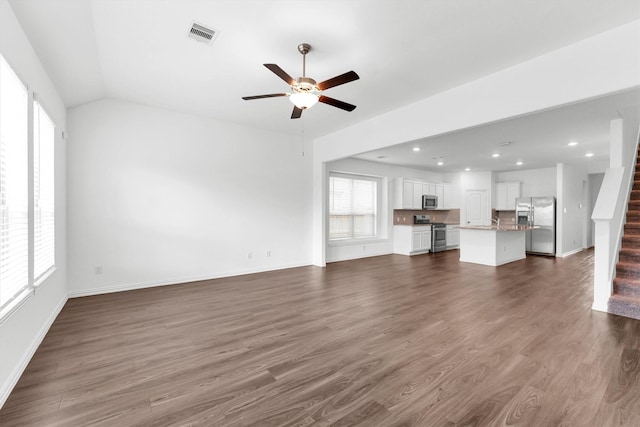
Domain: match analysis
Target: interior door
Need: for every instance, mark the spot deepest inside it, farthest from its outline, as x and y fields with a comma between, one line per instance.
x=476, y=207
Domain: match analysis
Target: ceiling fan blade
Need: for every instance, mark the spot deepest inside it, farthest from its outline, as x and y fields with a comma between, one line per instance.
x=336, y=103
x=297, y=112
x=271, y=95
x=338, y=80
x=281, y=73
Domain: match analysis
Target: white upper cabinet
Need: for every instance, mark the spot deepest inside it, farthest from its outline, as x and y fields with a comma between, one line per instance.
x=405, y=192
x=409, y=192
x=506, y=195
x=440, y=194
x=417, y=194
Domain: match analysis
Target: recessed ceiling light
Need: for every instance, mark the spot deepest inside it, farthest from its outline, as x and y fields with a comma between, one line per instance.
x=572, y=144
x=504, y=144
x=589, y=155
x=467, y=169
x=519, y=163
x=416, y=148
x=440, y=163
x=495, y=155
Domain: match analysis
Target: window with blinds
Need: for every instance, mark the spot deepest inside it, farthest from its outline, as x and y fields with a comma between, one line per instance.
x=43, y=193
x=353, y=207
x=14, y=203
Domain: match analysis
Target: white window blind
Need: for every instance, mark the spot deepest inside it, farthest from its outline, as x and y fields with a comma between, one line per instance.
x=14, y=226
x=43, y=192
x=353, y=206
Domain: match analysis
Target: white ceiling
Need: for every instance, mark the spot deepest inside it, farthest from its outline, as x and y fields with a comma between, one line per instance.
x=403, y=50
x=538, y=140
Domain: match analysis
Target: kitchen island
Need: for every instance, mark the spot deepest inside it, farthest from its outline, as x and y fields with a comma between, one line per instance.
x=492, y=245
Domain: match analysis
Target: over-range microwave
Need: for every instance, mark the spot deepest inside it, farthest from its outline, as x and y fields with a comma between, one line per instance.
x=429, y=202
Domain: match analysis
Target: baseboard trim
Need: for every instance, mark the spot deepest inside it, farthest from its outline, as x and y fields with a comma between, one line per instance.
x=600, y=307
x=174, y=281
x=11, y=382
x=367, y=255
x=573, y=252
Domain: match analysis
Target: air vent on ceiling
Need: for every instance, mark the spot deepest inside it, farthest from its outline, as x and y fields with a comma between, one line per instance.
x=202, y=34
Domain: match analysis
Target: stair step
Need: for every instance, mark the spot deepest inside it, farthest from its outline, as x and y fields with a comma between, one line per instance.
x=633, y=216
x=624, y=306
x=635, y=194
x=631, y=241
x=626, y=270
x=630, y=255
x=626, y=287
x=634, y=205
x=636, y=185
x=632, y=227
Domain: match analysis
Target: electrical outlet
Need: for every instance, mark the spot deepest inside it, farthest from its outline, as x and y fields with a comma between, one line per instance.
x=249, y=255
x=268, y=254
x=97, y=269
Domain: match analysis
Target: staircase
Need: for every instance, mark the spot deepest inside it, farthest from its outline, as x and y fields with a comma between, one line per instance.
x=625, y=300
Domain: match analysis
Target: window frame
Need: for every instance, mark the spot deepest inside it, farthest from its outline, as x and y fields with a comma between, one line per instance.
x=46, y=272
x=21, y=296
x=24, y=290
x=378, y=209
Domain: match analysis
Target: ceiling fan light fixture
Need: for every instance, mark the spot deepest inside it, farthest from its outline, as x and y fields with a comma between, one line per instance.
x=305, y=91
x=304, y=100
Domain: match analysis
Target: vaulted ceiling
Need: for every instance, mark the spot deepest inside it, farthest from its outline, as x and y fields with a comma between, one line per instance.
x=403, y=50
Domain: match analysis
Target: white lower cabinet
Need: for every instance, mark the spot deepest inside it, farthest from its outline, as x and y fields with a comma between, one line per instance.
x=411, y=240
x=452, y=236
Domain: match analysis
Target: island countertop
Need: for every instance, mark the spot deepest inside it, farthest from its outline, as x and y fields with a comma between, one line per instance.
x=510, y=227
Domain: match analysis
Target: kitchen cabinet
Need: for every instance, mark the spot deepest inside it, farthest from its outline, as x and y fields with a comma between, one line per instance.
x=491, y=245
x=439, y=192
x=447, y=193
x=452, y=235
x=411, y=240
x=406, y=194
x=506, y=194
x=409, y=192
x=417, y=194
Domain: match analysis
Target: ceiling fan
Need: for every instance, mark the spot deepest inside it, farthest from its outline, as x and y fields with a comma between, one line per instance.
x=305, y=91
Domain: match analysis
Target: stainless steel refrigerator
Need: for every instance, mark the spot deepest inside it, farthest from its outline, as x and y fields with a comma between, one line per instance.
x=539, y=212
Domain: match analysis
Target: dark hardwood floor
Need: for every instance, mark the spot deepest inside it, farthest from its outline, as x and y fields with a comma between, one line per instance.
x=384, y=341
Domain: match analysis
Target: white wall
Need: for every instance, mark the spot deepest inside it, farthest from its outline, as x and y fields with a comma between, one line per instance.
x=594, y=184
x=571, y=209
x=535, y=182
x=23, y=330
x=455, y=180
x=384, y=245
x=158, y=197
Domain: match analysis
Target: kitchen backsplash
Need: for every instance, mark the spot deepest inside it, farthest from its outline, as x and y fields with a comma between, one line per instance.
x=506, y=217
x=451, y=216
x=405, y=217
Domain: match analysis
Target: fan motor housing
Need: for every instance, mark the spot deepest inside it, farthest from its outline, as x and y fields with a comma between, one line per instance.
x=305, y=84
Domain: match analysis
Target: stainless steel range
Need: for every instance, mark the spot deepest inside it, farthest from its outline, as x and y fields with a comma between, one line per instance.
x=438, y=237
x=438, y=232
